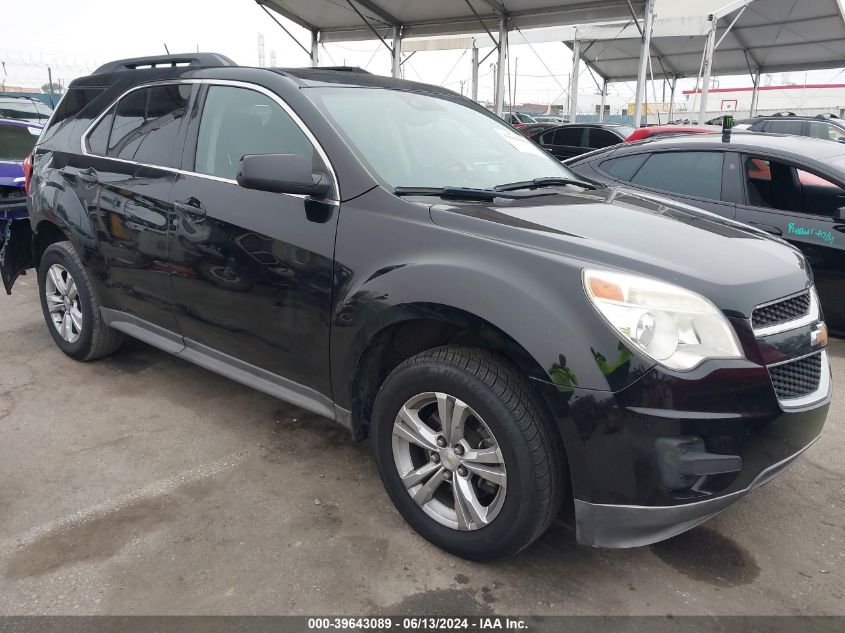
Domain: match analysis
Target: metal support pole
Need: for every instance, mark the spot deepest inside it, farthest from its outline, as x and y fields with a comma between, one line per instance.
x=397, y=51
x=708, y=68
x=501, y=66
x=315, y=48
x=474, y=72
x=50, y=86
x=754, y=94
x=603, y=101
x=645, y=52
x=672, y=98
x=573, y=81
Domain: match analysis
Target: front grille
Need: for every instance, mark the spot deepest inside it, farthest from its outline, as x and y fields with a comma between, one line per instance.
x=781, y=311
x=797, y=378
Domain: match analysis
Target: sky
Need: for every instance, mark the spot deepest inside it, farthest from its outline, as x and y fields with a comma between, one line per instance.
x=73, y=37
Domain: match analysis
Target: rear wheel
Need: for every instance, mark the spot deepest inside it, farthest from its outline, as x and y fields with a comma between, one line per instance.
x=71, y=307
x=465, y=452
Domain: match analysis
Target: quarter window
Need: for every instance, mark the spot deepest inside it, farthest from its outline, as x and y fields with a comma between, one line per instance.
x=98, y=138
x=240, y=121
x=146, y=125
x=697, y=174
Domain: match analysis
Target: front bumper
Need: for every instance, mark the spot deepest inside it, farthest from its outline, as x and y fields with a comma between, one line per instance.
x=609, y=525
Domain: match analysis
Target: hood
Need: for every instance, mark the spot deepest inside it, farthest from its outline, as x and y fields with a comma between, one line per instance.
x=733, y=265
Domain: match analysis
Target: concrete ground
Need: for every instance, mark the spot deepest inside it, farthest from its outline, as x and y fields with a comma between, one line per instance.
x=141, y=484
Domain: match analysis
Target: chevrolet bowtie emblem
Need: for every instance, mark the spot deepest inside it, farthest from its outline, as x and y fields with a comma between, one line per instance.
x=819, y=335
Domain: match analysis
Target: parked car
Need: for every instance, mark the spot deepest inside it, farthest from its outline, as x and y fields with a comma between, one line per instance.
x=548, y=118
x=573, y=139
x=509, y=336
x=16, y=142
x=825, y=127
x=790, y=187
x=669, y=130
x=24, y=109
x=519, y=118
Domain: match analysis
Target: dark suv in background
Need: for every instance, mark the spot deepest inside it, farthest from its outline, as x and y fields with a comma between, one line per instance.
x=510, y=337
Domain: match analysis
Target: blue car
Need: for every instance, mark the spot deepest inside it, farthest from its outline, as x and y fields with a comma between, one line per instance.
x=17, y=138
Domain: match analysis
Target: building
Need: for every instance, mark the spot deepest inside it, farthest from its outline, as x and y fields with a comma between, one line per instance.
x=805, y=99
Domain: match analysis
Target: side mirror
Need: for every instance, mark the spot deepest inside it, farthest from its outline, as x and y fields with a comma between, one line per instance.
x=282, y=173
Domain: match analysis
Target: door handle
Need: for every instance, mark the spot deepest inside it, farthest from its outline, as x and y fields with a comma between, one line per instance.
x=768, y=228
x=88, y=176
x=191, y=207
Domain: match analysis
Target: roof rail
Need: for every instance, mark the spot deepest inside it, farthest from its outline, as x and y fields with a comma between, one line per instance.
x=827, y=115
x=783, y=114
x=164, y=61
x=345, y=69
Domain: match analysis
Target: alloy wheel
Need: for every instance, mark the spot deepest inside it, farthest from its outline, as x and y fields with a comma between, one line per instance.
x=63, y=303
x=449, y=461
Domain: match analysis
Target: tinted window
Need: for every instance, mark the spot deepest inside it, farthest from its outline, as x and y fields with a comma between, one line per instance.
x=826, y=131
x=239, y=121
x=602, y=138
x=623, y=167
x=696, y=174
x=98, y=138
x=568, y=136
x=146, y=125
x=776, y=185
x=74, y=101
x=785, y=127
x=23, y=109
x=17, y=141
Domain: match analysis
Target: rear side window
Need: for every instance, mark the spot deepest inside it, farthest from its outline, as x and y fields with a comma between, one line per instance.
x=696, y=174
x=73, y=102
x=602, y=138
x=623, y=167
x=568, y=136
x=826, y=131
x=24, y=109
x=785, y=127
x=17, y=141
x=239, y=121
x=145, y=126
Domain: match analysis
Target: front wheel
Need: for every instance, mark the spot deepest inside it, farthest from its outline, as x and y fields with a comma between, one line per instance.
x=465, y=453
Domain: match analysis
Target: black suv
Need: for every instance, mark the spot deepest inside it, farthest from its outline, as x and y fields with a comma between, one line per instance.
x=394, y=257
x=826, y=127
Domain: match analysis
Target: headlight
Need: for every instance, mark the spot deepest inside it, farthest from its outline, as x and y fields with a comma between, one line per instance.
x=675, y=327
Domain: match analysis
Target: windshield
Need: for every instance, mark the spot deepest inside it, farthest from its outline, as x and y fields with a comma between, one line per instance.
x=24, y=109
x=409, y=139
x=16, y=141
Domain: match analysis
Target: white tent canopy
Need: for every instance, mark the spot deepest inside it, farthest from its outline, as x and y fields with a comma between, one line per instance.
x=345, y=20
x=739, y=36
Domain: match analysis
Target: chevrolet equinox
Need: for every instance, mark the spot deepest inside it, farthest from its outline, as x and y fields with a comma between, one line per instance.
x=390, y=255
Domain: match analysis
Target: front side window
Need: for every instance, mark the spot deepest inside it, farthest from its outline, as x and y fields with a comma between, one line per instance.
x=826, y=131
x=776, y=185
x=568, y=136
x=696, y=174
x=24, y=109
x=240, y=121
x=410, y=139
x=623, y=167
x=146, y=125
x=602, y=138
x=785, y=127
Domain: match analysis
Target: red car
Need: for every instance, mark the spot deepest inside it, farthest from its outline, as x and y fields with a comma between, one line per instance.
x=665, y=130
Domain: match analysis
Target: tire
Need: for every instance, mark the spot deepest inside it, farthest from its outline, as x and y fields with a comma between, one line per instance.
x=89, y=337
x=500, y=404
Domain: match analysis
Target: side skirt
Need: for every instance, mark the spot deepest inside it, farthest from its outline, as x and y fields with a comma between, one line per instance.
x=226, y=365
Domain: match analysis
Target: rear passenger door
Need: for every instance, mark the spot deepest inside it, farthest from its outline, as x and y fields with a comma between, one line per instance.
x=252, y=275
x=698, y=178
x=800, y=206
x=133, y=155
x=565, y=142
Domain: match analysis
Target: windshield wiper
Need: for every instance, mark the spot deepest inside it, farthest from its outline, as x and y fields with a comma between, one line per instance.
x=551, y=181
x=467, y=193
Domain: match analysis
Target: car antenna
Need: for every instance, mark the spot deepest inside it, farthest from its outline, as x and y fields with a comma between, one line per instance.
x=727, y=124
